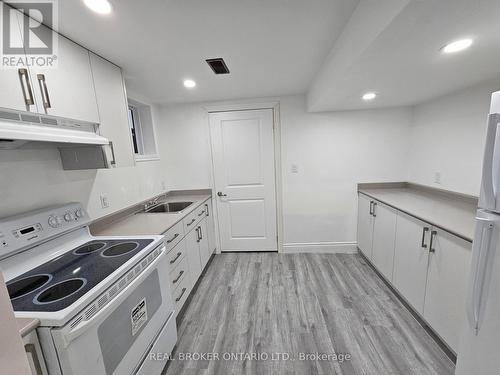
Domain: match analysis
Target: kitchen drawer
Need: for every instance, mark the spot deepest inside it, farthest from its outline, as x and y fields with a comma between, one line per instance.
x=174, y=235
x=176, y=255
x=179, y=272
x=194, y=217
x=181, y=293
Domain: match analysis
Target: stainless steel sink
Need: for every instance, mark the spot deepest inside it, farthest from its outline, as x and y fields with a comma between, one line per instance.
x=172, y=207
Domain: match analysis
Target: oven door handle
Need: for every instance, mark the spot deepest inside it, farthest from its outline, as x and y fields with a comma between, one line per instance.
x=121, y=296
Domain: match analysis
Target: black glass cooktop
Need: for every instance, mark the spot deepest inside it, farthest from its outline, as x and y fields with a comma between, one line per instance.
x=59, y=283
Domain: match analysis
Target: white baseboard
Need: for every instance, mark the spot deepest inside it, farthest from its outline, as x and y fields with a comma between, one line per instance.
x=321, y=247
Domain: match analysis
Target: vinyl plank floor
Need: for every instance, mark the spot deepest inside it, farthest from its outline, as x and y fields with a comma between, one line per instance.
x=263, y=313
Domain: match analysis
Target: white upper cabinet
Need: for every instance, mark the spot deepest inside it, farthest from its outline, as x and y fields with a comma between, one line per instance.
x=384, y=234
x=66, y=90
x=112, y=104
x=411, y=259
x=365, y=225
x=447, y=278
x=17, y=89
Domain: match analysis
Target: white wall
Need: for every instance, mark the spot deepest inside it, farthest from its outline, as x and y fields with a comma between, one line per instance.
x=447, y=136
x=333, y=151
x=34, y=178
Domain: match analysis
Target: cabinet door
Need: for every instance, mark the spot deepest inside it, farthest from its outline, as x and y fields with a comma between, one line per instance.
x=16, y=83
x=365, y=225
x=411, y=257
x=113, y=109
x=204, y=247
x=193, y=254
x=448, y=274
x=384, y=235
x=67, y=90
x=210, y=227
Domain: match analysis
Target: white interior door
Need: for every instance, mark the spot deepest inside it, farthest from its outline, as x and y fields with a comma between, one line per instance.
x=243, y=157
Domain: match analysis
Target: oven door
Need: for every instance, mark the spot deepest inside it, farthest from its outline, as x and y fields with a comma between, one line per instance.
x=115, y=340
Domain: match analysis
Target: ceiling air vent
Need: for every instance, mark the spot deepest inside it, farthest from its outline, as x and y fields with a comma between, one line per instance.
x=218, y=65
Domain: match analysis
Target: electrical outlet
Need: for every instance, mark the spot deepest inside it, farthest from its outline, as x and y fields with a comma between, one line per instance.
x=437, y=177
x=295, y=168
x=104, y=201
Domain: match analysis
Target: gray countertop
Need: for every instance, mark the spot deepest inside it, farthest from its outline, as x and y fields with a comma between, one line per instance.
x=141, y=223
x=452, y=212
x=26, y=325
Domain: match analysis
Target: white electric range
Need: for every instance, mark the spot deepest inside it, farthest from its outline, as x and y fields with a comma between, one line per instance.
x=104, y=303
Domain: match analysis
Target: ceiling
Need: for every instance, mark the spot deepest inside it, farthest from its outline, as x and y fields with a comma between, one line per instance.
x=333, y=50
x=272, y=47
x=393, y=48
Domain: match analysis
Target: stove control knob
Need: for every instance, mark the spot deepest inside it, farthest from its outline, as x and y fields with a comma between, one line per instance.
x=79, y=213
x=55, y=221
x=69, y=216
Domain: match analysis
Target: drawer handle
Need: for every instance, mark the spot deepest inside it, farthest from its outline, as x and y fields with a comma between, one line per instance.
x=192, y=221
x=371, y=208
x=180, y=297
x=178, y=277
x=374, y=207
x=175, y=259
x=173, y=238
x=201, y=213
x=44, y=90
x=26, y=87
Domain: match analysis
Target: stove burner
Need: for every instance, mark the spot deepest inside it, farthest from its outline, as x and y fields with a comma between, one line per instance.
x=59, y=291
x=89, y=248
x=27, y=285
x=120, y=249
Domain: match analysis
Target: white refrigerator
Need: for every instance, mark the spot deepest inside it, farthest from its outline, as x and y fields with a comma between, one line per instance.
x=479, y=352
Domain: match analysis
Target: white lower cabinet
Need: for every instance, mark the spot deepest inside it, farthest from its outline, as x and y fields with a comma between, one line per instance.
x=411, y=259
x=447, y=277
x=34, y=354
x=428, y=266
x=384, y=234
x=365, y=225
x=188, y=255
x=210, y=227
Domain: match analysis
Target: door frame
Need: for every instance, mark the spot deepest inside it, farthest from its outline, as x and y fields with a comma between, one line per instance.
x=230, y=107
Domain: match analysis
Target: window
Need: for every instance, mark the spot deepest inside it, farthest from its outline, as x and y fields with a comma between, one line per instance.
x=142, y=131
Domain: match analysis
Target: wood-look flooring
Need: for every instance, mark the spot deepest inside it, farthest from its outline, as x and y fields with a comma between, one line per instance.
x=301, y=303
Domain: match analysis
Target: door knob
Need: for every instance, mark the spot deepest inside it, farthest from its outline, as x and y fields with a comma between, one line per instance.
x=219, y=193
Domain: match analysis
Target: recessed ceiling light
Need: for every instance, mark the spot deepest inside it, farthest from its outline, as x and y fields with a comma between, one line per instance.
x=457, y=46
x=99, y=6
x=189, y=83
x=369, y=96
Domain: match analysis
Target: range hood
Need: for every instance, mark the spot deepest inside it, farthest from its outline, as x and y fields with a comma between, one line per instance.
x=17, y=129
x=79, y=144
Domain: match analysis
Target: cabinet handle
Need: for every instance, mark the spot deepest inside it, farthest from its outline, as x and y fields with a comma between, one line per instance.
x=371, y=208
x=201, y=234
x=206, y=208
x=374, y=207
x=178, y=277
x=30, y=348
x=198, y=234
x=175, y=259
x=191, y=222
x=424, y=231
x=433, y=235
x=201, y=213
x=26, y=86
x=180, y=297
x=113, y=161
x=173, y=238
x=44, y=90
